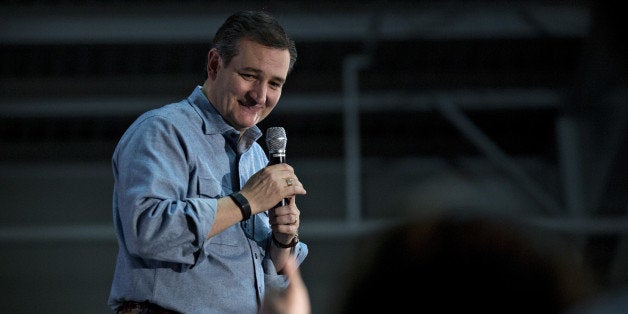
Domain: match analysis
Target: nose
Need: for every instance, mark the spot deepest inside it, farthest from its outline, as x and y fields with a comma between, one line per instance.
x=259, y=92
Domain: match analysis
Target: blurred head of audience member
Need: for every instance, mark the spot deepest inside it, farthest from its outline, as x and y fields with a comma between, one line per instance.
x=462, y=260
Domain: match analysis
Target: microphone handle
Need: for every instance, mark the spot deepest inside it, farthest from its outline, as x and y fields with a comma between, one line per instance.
x=278, y=158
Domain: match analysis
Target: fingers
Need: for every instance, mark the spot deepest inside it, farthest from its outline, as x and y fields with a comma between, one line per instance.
x=293, y=186
x=266, y=188
x=284, y=232
x=285, y=175
x=285, y=215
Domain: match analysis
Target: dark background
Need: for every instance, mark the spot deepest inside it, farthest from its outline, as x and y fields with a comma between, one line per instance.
x=508, y=106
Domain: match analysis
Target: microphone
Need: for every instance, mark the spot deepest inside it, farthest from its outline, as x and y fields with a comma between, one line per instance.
x=276, y=141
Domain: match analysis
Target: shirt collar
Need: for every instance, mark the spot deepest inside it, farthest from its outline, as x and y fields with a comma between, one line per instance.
x=214, y=123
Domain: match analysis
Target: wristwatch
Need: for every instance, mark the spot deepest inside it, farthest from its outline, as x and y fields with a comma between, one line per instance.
x=292, y=243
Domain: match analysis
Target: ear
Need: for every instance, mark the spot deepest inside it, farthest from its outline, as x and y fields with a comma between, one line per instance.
x=213, y=63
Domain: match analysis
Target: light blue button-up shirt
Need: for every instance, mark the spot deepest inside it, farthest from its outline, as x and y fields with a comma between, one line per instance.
x=169, y=168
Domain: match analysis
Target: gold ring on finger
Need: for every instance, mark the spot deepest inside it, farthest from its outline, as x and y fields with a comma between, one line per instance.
x=289, y=181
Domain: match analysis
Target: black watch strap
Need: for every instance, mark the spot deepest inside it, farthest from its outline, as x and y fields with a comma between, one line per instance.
x=292, y=243
x=243, y=203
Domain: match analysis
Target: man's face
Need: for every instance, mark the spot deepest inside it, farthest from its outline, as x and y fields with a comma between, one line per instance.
x=248, y=89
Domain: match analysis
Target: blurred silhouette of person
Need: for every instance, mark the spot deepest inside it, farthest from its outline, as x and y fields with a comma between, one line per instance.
x=452, y=262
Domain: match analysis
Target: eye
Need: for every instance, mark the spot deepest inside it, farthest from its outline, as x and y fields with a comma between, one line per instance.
x=275, y=85
x=248, y=77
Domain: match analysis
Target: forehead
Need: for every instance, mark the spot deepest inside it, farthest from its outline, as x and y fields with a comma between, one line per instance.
x=257, y=57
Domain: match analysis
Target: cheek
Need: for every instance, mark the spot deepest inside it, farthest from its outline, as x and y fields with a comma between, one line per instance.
x=237, y=88
x=267, y=110
x=272, y=98
x=231, y=84
x=270, y=105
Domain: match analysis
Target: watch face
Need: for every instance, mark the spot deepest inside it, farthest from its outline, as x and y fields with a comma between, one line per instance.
x=294, y=241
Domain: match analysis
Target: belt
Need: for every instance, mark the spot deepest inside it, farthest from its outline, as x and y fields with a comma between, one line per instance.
x=132, y=307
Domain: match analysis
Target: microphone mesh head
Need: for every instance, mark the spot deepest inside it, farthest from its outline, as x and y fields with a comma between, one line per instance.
x=276, y=139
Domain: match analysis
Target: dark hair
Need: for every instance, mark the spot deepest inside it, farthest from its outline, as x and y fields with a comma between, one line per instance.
x=258, y=26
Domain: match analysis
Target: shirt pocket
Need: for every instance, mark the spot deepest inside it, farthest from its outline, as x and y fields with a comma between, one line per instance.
x=225, y=243
x=210, y=187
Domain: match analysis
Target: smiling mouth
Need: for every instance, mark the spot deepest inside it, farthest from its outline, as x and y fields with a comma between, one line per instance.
x=248, y=104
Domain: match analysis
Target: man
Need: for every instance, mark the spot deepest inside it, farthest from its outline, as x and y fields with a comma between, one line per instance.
x=194, y=201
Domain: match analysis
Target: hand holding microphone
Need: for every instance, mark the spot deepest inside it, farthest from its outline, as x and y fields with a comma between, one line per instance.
x=284, y=217
x=274, y=185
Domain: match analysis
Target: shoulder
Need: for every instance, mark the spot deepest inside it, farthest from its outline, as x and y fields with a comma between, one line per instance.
x=179, y=114
x=181, y=110
x=162, y=123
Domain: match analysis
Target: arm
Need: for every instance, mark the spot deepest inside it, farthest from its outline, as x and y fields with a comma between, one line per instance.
x=159, y=211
